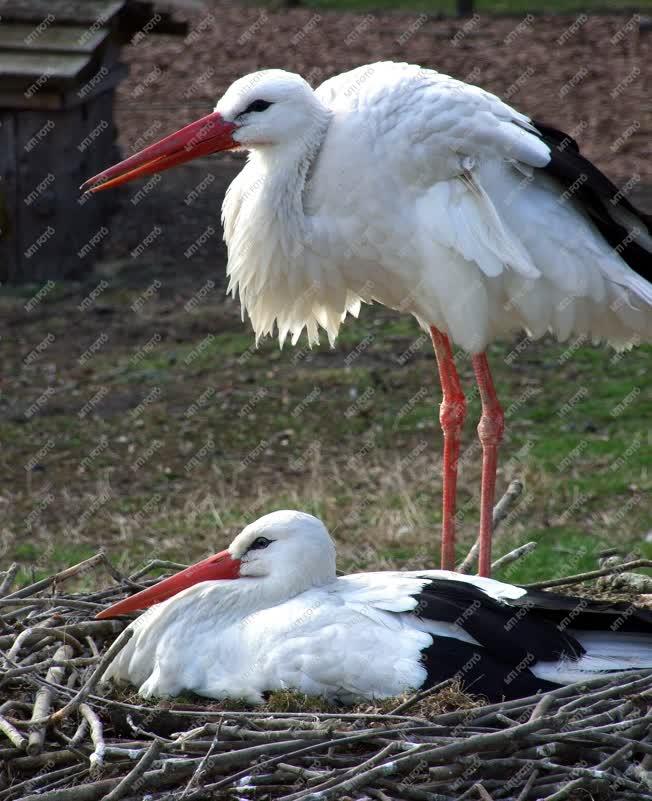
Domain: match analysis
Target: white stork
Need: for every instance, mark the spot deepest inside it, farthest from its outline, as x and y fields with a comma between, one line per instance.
x=397, y=184
x=270, y=613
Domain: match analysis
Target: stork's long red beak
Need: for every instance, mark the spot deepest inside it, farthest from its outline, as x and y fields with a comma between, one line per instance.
x=220, y=566
x=210, y=134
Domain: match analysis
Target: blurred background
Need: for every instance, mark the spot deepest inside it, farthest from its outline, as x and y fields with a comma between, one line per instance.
x=136, y=413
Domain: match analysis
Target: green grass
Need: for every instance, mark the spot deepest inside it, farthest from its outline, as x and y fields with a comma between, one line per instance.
x=231, y=432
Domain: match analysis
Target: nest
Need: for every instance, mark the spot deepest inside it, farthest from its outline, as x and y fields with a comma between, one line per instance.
x=66, y=737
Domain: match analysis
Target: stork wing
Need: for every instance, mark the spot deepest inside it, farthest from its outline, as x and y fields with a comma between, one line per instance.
x=490, y=194
x=508, y=622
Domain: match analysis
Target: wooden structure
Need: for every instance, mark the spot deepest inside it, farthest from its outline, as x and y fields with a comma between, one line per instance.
x=59, y=67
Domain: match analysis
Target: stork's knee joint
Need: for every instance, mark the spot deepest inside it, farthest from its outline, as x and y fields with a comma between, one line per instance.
x=491, y=426
x=451, y=415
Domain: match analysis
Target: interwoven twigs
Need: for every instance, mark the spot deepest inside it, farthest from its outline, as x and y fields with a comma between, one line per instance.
x=65, y=737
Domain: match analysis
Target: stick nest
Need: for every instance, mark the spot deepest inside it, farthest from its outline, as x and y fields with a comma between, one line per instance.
x=66, y=737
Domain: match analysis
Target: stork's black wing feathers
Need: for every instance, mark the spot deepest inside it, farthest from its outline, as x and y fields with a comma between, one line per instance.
x=479, y=672
x=510, y=632
x=512, y=635
x=598, y=196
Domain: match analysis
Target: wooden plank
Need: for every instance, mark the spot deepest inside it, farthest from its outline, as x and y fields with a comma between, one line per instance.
x=53, y=100
x=75, y=12
x=9, y=234
x=132, y=16
x=102, y=151
x=19, y=70
x=54, y=39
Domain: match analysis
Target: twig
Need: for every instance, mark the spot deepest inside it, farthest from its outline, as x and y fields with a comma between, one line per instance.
x=200, y=768
x=500, y=512
x=567, y=790
x=45, y=664
x=315, y=747
x=8, y=578
x=43, y=702
x=117, y=576
x=528, y=785
x=156, y=563
x=506, y=503
x=53, y=601
x=622, y=753
x=82, y=628
x=591, y=574
x=418, y=697
x=96, y=675
x=354, y=779
x=40, y=633
x=150, y=756
x=9, y=730
x=57, y=578
x=255, y=714
x=513, y=556
x=97, y=736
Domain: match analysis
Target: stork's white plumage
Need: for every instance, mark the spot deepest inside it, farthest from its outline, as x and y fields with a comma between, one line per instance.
x=397, y=184
x=270, y=613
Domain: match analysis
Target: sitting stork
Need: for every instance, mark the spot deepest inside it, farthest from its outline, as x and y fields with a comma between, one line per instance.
x=270, y=613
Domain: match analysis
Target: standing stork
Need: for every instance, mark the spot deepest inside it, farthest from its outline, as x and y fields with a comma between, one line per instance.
x=400, y=185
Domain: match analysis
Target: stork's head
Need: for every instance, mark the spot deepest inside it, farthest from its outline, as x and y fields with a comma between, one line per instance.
x=267, y=109
x=283, y=553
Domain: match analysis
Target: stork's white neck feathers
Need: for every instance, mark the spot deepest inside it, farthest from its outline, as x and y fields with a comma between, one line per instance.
x=267, y=231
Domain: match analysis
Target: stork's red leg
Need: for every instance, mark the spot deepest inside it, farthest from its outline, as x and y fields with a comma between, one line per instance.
x=490, y=431
x=452, y=412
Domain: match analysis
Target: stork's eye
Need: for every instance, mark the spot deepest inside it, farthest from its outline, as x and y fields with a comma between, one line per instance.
x=260, y=542
x=257, y=105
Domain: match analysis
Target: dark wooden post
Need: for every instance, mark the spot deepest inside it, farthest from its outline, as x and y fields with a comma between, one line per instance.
x=58, y=72
x=464, y=8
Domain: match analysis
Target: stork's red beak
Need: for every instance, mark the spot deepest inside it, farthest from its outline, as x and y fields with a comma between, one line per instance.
x=220, y=566
x=210, y=134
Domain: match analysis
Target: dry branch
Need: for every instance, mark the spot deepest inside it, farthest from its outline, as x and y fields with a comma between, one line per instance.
x=57, y=578
x=513, y=556
x=8, y=578
x=97, y=737
x=578, y=578
x=10, y=731
x=43, y=702
x=500, y=512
